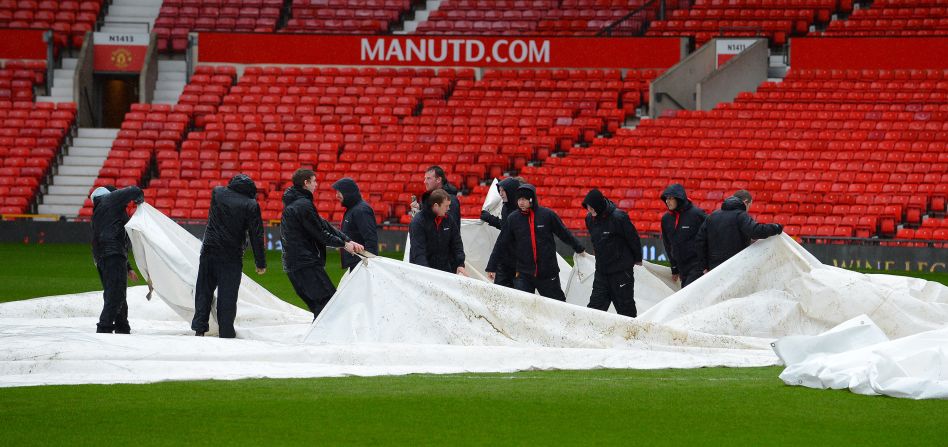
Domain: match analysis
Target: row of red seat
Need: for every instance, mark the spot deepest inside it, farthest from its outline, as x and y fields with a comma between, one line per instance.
x=658, y=153
x=902, y=18
x=31, y=137
x=69, y=20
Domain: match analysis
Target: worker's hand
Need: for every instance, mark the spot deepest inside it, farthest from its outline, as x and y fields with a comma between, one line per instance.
x=132, y=276
x=491, y=276
x=261, y=271
x=705, y=271
x=675, y=277
x=461, y=271
x=414, y=207
x=486, y=215
x=354, y=247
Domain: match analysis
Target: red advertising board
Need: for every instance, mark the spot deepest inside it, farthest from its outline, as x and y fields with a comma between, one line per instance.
x=465, y=51
x=22, y=44
x=120, y=52
x=869, y=52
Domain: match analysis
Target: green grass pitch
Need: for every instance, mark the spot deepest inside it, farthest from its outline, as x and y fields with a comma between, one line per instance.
x=710, y=406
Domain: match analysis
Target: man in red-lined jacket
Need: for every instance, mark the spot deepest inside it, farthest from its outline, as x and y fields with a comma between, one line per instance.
x=528, y=236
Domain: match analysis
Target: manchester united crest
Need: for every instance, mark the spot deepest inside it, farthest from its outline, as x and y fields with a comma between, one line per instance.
x=121, y=58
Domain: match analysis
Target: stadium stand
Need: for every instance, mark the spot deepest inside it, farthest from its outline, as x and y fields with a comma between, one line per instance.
x=31, y=138
x=536, y=17
x=827, y=153
x=778, y=20
x=364, y=123
x=895, y=18
x=346, y=16
x=177, y=18
x=69, y=20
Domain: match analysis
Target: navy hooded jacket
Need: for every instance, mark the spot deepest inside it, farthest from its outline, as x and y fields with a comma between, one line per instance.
x=679, y=229
x=234, y=214
x=728, y=231
x=532, y=246
x=358, y=222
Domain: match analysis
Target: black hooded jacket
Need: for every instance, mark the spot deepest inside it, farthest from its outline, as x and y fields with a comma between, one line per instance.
x=433, y=245
x=728, y=231
x=679, y=229
x=359, y=221
x=522, y=240
x=108, y=222
x=305, y=233
x=509, y=185
x=455, y=210
x=235, y=214
x=617, y=243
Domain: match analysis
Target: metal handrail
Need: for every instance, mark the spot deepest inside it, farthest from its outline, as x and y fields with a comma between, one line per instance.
x=607, y=31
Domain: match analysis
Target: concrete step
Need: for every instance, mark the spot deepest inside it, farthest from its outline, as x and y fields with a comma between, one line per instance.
x=165, y=65
x=89, y=151
x=92, y=142
x=67, y=190
x=170, y=85
x=54, y=99
x=167, y=95
x=87, y=171
x=131, y=20
x=89, y=132
x=172, y=76
x=122, y=28
x=62, y=199
x=133, y=11
x=152, y=3
x=65, y=92
x=74, y=180
x=69, y=210
x=79, y=160
x=64, y=73
x=63, y=81
x=70, y=63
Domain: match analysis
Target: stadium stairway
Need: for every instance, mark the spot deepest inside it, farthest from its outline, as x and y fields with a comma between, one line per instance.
x=61, y=87
x=129, y=15
x=77, y=172
x=421, y=16
x=172, y=77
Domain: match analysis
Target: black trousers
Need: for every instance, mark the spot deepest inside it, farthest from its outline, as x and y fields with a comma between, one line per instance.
x=548, y=287
x=504, y=277
x=313, y=286
x=616, y=288
x=223, y=274
x=689, y=274
x=113, y=272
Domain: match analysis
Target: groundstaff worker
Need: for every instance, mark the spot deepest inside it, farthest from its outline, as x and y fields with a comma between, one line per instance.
x=233, y=216
x=506, y=267
x=680, y=226
x=618, y=250
x=358, y=222
x=305, y=237
x=527, y=235
x=729, y=230
x=110, y=252
x=435, y=236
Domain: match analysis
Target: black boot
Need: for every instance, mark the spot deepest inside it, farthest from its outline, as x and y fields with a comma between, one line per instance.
x=198, y=334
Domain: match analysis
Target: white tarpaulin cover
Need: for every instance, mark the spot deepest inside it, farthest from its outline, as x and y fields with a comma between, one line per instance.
x=857, y=355
x=391, y=317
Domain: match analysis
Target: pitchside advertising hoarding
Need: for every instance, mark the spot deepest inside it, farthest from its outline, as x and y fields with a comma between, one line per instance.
x=120, y=52
x=511, y=52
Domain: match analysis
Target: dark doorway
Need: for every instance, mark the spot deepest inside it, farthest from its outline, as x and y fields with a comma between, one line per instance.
x=118, y=92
